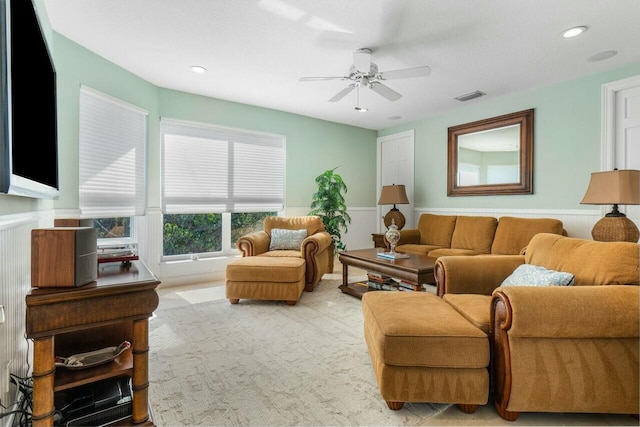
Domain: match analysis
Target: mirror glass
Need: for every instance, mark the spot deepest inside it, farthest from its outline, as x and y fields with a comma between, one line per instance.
x=492, y=156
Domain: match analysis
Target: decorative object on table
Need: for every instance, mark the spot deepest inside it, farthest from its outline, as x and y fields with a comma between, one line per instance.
x=92, y=358
x=394, y=195
x=328, y=203
x=392, y=235
x=616, y=187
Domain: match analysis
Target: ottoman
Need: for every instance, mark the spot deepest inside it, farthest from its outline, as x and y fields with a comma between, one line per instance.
x=265, y=278
x=423, y=350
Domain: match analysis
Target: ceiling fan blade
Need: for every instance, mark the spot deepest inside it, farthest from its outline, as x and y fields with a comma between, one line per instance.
x=338, y=96
x=317, y=79
x=385, y=91
x=406, y=73
x=362, y=60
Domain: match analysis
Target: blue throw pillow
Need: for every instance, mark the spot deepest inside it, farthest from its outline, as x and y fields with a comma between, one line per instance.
x=533, y=275
x=286, y=239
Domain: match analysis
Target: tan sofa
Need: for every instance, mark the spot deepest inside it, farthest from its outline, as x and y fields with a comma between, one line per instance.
x=440, y=235
x=314, y=249
x=555, y=348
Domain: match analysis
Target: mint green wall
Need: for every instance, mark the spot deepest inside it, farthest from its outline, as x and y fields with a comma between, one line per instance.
x=312, y=145
x=566, y=144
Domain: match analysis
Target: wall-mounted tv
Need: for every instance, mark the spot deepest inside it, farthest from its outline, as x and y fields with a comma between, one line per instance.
x=28, y=123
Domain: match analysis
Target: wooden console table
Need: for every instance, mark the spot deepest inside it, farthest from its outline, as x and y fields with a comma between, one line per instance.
x=68, y=321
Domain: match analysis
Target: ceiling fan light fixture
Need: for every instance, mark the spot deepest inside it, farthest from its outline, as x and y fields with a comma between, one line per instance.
x=574, y=31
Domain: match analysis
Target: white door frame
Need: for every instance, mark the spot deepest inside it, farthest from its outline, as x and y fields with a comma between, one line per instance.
x=406, y=134
x=608, y=141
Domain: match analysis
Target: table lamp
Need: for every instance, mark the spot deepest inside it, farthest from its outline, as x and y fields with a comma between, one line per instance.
x=394, y=195
x=616, y=187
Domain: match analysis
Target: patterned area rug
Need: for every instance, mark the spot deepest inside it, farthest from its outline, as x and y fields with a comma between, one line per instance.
x=263, y=363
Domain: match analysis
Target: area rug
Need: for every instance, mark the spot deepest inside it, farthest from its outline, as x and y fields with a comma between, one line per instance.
x=264, y=363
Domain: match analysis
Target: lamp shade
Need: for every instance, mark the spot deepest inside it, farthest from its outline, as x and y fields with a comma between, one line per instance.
x=393, y=195
x=616, y=187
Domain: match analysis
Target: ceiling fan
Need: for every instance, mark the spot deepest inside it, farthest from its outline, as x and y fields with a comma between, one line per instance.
x=364, y=73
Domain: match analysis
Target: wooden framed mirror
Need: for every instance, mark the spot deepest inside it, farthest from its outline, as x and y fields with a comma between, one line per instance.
x=492, y=156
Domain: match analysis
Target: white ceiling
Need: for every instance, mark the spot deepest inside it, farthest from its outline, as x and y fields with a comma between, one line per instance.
x=256, y=50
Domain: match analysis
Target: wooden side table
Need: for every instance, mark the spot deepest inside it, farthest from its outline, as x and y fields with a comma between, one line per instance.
x=378, y=240
x=68, y=321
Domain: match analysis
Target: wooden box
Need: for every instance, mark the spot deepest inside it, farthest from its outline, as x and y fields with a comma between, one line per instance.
x=63, y=257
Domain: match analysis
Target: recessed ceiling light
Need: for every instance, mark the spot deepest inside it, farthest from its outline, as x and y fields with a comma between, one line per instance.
x=395, y=117
x=361, y=109
x=575, y=31
x=198, y=69
x=601, y=56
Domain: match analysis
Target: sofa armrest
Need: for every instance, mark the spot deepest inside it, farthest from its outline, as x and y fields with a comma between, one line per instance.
x=253, y=244
x=591, y=321
x=408, y=236
x=315, y=250
x=479, y=274
x=568, y=311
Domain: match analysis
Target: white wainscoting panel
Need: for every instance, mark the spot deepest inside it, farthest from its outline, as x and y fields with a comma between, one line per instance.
x=15, y=283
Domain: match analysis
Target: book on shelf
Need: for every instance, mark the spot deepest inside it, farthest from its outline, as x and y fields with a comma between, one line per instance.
x=371, y=273
x=410, y=285
x=383, y=286
x=387, y=279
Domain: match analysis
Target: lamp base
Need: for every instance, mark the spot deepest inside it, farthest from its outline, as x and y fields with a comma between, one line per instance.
x=615, y=229
x=395, y=215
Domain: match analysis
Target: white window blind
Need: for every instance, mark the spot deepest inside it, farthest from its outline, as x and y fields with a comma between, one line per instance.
x=207, y=169
x=113, y=137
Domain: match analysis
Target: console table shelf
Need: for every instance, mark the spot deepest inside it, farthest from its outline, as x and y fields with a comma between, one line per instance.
x=67, y=321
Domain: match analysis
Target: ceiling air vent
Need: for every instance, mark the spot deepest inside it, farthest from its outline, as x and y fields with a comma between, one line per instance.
x=470, y=95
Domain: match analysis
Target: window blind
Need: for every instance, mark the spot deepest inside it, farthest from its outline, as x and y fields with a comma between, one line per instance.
x=112, y=144
x=208, y=169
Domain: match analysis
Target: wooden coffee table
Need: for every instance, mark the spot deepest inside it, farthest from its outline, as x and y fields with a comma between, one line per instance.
x=416, y=268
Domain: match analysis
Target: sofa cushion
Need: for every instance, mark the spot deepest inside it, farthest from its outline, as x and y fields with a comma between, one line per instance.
x=437, y=253
x=535, y=275
x=265, y=269
x=475, y=308
x=474, y=233
x=436, y=229
x=286, y=239
x=513, y=234
x=411, y=248
x=591, y=262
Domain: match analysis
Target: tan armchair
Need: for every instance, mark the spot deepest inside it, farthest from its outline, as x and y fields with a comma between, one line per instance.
x=555, y=348
x=314, y=249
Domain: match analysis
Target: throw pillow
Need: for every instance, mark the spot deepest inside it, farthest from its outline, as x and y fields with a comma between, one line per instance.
x=534, y=275
x=286, y=239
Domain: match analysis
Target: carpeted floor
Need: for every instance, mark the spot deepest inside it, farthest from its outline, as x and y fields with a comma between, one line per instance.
x=263, y=363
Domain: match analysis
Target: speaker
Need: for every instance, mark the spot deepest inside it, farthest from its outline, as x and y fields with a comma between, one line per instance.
x=63, y=257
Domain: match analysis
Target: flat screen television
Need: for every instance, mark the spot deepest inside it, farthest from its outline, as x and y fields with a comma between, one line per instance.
x=28, y=123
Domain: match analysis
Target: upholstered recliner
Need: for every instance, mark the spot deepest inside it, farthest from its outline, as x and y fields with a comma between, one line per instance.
x=313, y=247
x=555, y=348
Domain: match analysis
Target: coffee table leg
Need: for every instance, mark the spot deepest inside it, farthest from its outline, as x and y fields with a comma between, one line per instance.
x=345, y=274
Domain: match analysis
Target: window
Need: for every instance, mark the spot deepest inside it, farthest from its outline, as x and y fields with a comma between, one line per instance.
x=112, y=144
x=217, y=184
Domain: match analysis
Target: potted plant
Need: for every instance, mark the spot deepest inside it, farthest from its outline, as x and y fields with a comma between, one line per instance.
x=328, y=203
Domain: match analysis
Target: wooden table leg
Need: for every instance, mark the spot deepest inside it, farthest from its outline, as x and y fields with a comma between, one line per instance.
x=140, y=380
x=43, y=377
x=345, y=274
